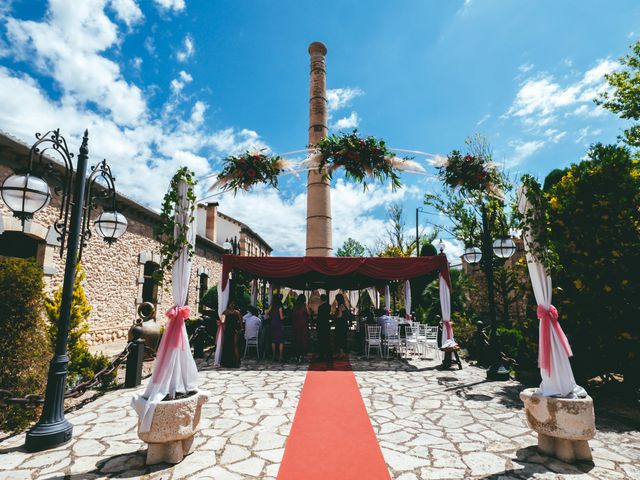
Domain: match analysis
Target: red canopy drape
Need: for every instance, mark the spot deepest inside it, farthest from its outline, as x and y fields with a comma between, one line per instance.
x=335, y=272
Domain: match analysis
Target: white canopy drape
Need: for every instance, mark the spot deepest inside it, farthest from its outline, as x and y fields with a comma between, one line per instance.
x=387, y=298
x=174, y=369
x=407, y=298
x=354, y=297
x=373, y=295
x=445, y=307
x=223, y=302
x=554, y=350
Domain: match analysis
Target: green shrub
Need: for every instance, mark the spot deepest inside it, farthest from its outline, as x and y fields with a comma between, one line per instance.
x=514, y=344
x=83, y=365
x=24, y=350
x=210, y=298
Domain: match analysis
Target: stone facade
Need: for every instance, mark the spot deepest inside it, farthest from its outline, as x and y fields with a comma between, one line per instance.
x=115, y=274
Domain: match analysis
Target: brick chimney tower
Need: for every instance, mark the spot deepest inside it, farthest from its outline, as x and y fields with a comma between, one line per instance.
x=319, y=241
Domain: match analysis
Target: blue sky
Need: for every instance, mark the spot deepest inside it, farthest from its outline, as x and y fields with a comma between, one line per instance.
x=164, y=83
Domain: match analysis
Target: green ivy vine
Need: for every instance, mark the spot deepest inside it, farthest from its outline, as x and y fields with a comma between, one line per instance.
x=171, y=244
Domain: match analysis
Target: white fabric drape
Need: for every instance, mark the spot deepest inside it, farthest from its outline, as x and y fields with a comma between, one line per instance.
x=387, y=298
x=223, y=302
x=445, y=306
x=559, y=381
x=354, y=297
x=270, y=295
x=332, y=296
x=174, y=369
x=407, y=298
x=254, y=293
x=373, y=295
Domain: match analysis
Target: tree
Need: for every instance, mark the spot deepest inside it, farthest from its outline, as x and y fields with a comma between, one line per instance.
x=594, y=223
x=624, y=99
x=395, y=244
x=82, y=364
x=351, y=248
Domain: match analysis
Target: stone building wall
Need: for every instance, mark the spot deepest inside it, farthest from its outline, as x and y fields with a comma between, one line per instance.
x=113, y=282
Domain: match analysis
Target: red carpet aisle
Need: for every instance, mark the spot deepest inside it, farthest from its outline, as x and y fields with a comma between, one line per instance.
x=331, y=436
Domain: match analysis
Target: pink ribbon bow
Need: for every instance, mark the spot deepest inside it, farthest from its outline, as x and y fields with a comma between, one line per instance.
x=171, y=338
x=549, y=320
x=448, y=328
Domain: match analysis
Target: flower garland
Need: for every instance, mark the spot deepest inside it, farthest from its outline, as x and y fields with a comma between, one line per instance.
x=241, y=172
x=164, y=232
x=470, y=173
x=361, y=158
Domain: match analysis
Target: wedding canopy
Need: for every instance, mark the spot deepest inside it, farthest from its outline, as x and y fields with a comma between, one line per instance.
x=334, y=273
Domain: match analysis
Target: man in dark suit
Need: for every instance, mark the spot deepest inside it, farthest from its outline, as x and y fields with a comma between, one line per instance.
x=324, y=329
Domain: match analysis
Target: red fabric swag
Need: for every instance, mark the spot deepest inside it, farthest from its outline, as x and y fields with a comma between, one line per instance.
x=374, y=268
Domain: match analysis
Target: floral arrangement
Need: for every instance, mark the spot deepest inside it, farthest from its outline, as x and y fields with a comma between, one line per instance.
x=171, y=244
x=241, y=172
x=361, y=158
x=471, y=173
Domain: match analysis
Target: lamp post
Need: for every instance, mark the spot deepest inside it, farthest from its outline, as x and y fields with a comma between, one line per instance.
x=26, y=193
x=418, y=211
x=502, y=248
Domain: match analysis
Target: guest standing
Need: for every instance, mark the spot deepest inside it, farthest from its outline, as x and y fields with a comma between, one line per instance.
x=324, y=329
x=301, y=327
x=342, y=316
x=276, y=316
x=230, y=350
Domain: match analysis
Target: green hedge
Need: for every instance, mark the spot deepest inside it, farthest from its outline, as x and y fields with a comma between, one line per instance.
x=24, y=349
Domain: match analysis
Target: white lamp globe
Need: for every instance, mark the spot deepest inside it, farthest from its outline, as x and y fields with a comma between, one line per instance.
x=504, y=247
x=25, y=195
x=110, y=225
x=472, y=255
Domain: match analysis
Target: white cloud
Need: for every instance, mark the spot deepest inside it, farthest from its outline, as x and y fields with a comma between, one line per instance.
x=554, y=135
x=484, y=118
x=346, y=123
x=525, y=67
x=177, y=84
x=168, y=5
x=127, y=11
x=68, y=45
x=187, y=51
x=523, y=150
x=585, y=132
x=136, y=63
x=540, y=98
x=338, y=98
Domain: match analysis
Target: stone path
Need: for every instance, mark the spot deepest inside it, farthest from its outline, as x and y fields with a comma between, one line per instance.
x=430, y=424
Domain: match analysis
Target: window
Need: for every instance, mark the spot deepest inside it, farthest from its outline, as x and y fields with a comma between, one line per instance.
x=150, y=286
x=17, y=244
x=203, y=287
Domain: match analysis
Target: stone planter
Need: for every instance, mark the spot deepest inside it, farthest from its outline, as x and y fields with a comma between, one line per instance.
x=172, y=429
x=564, y=425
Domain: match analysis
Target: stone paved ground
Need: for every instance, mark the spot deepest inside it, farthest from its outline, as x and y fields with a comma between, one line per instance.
x=430, y=424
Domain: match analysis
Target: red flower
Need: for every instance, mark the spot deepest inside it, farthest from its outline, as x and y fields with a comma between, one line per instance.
x=251, y=172
x=256, y=156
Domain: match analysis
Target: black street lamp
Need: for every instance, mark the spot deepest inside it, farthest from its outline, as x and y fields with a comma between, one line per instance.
x=503, y=248
x=26, y=193
x=418, y=211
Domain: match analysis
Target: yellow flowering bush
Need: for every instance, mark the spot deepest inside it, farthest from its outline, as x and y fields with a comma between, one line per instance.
x=594, y=227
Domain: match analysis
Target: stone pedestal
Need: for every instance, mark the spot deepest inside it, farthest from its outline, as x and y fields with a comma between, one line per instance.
x=172, y=429
x=564, y=425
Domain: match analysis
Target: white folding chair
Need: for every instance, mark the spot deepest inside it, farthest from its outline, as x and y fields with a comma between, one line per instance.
x=429, y=338
x=411, y=339
x=252, y=341
x=391, y=337
x=373, y=339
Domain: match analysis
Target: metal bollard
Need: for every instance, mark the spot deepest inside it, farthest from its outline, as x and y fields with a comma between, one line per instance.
x=133, y=375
